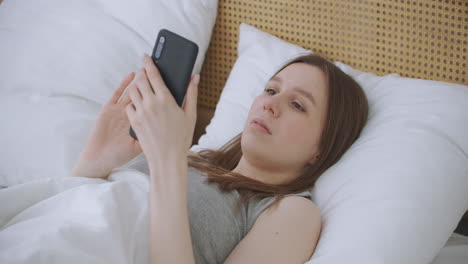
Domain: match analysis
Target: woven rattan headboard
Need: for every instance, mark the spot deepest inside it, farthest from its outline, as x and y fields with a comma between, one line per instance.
x=424, y=39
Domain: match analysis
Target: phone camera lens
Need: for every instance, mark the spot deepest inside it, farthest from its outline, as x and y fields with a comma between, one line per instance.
x=162, y=39
x=158, y=50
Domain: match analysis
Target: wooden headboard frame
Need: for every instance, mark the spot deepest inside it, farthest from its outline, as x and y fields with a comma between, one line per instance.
x=424, y=39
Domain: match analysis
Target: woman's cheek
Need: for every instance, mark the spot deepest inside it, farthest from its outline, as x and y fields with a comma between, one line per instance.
x=299, y=131
x=256, y=105
x=295, y=128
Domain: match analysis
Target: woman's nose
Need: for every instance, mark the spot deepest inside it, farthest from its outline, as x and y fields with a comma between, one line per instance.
x=272, y=106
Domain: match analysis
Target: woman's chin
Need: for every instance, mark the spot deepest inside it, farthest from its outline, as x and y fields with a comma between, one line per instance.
x=254, y=139
x=256, y=146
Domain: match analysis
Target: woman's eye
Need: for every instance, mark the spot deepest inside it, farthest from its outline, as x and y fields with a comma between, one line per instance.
x=270, y=91
x=298, y=106
x=295, y=104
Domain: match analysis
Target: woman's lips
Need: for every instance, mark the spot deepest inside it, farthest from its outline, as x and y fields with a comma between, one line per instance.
x=260, y=124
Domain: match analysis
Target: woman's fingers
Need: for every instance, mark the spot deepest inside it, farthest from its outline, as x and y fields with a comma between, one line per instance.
x=134, y=93
x=130, y=110
x=144, y=85
x=139, y=90
x=126, y=98
x=117, y=96
x=155, y=78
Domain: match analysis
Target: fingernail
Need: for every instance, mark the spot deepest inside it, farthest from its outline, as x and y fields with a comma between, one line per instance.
x=196, y=79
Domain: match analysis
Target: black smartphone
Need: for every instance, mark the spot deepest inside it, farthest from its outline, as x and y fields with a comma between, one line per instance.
x=175, y=57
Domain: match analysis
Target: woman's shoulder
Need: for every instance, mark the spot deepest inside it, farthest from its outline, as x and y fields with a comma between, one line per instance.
x=300, y=206
x=266, y=206
x=300, y=202
x=293, y=210
x=272, y=229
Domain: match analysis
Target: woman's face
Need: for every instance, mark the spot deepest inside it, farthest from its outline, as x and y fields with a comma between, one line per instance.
x=292, y=108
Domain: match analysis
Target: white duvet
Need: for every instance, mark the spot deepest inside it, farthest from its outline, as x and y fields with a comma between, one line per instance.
x=83, y=220
x=76, y=220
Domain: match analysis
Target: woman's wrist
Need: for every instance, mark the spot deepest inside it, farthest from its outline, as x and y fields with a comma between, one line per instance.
x=169, y=173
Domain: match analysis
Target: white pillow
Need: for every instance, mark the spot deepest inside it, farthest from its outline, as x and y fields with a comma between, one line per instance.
x=61, y=60
x=398, y=193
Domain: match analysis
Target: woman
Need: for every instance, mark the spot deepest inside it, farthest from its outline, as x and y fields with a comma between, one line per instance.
x=254, y=206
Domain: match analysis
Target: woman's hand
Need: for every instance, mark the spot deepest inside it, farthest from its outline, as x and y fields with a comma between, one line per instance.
x=109, y=144
x=164, y=130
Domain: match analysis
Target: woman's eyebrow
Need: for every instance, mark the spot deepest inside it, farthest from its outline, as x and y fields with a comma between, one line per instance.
x=305, y=94
x=297, y=89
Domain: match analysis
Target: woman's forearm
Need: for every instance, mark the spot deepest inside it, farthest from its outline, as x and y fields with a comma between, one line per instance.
x=90, y=169
x=169, y=222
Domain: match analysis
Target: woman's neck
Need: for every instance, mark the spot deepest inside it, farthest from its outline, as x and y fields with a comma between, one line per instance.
x=265, y=174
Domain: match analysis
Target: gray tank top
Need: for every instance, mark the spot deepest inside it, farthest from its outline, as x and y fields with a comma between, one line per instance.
x=216, y=228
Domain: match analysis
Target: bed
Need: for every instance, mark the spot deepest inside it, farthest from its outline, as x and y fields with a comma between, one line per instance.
x=399, y=42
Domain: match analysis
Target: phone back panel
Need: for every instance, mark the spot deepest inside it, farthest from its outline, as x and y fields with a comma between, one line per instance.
x=176, y=62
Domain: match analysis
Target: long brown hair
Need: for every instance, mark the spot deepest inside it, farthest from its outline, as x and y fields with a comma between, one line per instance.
x=346, y=115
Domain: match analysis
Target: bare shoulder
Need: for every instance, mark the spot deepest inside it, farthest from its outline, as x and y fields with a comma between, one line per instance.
x=294, y=210
x=285, y=233
x=297, y=205
x=296, y=221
